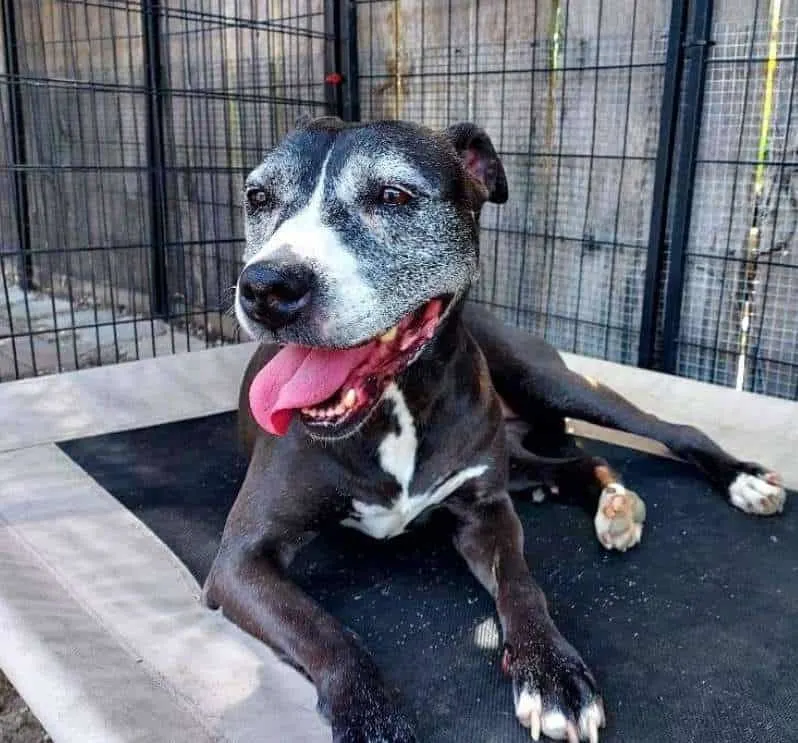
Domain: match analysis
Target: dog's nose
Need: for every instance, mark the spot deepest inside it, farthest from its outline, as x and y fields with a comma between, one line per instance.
x=274, y=296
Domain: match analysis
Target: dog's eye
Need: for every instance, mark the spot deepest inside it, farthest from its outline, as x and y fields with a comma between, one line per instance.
x=393, y=196
x=257, y=198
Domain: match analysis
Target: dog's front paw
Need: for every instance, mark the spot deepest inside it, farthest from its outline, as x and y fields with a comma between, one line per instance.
x=371, y=717
x=555, y=693
x=619, y=518
x=758, y=491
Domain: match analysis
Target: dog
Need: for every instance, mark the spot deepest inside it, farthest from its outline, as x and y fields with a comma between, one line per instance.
x=378, y=393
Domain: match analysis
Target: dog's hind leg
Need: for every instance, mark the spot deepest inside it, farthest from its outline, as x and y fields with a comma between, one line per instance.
x=535, y=384
x=570, y=474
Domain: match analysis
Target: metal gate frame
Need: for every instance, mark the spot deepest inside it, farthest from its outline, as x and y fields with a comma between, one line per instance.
x=682, y=107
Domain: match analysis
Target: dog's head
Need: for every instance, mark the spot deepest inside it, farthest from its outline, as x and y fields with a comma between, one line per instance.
x=361, y=233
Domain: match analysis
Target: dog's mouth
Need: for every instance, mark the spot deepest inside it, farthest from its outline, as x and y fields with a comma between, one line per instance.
x=335, y=390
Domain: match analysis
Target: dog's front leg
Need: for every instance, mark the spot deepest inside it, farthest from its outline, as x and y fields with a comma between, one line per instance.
x=248, y=582
x=554, y=691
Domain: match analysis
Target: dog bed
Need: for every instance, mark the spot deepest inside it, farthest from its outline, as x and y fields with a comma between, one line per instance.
x=693, y=635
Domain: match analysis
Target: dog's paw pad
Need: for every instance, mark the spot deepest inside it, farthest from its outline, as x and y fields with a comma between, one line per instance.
x=619, y=518
x=762, y=494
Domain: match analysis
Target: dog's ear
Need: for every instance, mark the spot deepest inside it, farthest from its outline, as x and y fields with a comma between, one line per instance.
x=480, y=159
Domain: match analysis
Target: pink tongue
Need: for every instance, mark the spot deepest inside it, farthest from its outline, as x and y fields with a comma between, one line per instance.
x=299, y=377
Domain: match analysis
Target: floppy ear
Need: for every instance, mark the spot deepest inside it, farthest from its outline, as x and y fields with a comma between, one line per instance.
x=480, y=159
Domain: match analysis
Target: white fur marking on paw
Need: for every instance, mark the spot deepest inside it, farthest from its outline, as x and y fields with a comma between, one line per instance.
x=619, y=518
x=528, y=709
x=756, y=495
x=538, y=495
x=554, y=724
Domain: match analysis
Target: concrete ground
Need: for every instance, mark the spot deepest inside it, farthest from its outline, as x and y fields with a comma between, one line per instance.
x=59, y=343
x=58, y=335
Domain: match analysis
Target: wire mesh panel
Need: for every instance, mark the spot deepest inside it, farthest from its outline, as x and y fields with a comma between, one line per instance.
x=570, y=94
x=101, y=85
x=236, y=77
x=739, y=318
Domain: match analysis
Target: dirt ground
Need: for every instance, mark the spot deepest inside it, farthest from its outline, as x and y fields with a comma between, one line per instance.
x=17, y=723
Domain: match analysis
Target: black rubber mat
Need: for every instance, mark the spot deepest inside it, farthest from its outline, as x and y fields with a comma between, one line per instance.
x=693, y=635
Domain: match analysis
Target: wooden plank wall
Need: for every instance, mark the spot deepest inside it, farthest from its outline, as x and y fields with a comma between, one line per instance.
x=84, y=147
x=566, y=256
x=232, y=90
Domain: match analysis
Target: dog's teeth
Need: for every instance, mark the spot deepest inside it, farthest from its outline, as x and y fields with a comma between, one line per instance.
x=350, y=398
x=389, y=335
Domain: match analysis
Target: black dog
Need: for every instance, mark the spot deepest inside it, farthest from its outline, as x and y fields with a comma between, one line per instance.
x=385, y=395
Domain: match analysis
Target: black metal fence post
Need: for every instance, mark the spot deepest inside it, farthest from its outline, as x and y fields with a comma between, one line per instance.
x=350, y=104
x=151, y=22
x=17, y=140
x=669, y=117
x=696, y=47
x=332, y=57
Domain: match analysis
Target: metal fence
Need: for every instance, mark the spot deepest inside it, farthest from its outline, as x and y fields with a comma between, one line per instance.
x=649, y=149
x=128, y=128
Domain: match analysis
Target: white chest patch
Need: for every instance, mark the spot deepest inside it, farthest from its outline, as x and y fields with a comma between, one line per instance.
x=397, y=454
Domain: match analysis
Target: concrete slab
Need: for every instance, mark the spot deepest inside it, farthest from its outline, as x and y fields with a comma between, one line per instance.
x=103, y=632
x=120, y=397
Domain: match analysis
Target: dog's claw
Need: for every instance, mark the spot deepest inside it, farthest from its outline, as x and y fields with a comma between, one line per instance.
x=528, y=710
x=573, y=736
x=591, y=719
x=555, y=725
